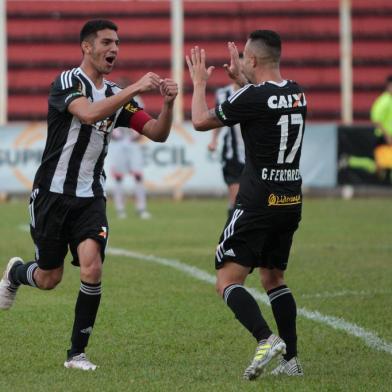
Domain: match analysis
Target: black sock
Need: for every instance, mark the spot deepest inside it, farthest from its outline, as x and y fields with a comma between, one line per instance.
x=85, y=312
x=285, y=313
x=23, y=274
x=246, y=310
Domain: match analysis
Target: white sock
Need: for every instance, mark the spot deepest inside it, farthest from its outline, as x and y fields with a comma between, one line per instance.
x=118, y=197
x=140, y=196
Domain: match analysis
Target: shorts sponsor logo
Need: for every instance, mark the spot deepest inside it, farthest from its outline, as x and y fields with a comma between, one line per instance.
x=283, y=200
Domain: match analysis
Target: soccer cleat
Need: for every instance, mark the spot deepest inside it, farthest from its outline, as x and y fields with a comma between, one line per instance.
x=79, y=361
x=289, y=368
x=265, y=352
x=7, y=289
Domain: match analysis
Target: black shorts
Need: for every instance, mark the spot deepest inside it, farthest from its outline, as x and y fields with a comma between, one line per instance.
x=232, y=170
x=60, y=221
x=258, y=239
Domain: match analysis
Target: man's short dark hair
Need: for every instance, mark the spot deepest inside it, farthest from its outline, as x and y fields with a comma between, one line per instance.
x=93, y=26
x=388, y=79
x=270, y=40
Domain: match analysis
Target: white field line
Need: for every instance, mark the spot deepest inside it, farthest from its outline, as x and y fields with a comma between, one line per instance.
x=346, y=293
x=369, y=337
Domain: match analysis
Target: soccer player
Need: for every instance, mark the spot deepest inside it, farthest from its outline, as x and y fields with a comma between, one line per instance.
x=233, y=150
x=68, y=204
x=271, y=111
x=127, y=158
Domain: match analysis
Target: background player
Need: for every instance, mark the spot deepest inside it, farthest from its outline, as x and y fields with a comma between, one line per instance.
x=127, y=158
x=233, y=150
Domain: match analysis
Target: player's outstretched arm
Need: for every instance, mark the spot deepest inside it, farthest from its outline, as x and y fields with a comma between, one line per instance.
x=90, y=112
x=203, y=119
x=158, y=129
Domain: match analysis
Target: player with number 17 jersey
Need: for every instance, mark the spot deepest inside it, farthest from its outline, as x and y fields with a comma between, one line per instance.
x=272, y=117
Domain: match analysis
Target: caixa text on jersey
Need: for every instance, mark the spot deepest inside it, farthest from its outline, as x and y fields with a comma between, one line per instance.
x=280, y=175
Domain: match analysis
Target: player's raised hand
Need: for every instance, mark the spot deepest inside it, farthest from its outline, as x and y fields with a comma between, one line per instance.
x=168, y=89
x=197, y=66
x=234, y=69
x=149, y=82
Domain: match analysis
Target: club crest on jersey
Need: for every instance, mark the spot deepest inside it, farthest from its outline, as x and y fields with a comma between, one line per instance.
x=104, y=125
x=286, y=101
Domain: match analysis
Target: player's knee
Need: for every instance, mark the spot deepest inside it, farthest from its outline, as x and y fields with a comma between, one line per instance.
x=220, y=287
x=49, y=282
x=271, y=281
x=92, y=272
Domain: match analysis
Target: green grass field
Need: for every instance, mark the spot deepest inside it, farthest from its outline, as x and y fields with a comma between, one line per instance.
x=160, y=328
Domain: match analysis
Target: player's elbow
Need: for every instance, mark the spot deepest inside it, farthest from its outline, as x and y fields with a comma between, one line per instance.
x=199, y=126
x=160, y=138
x=87, y=118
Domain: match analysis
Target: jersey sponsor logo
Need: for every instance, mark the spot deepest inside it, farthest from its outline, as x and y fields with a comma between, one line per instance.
x=286, y=101
x=283, y=200
x=280, y=175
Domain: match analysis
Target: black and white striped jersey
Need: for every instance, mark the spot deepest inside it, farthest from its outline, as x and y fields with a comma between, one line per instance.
x=272, y=118
x=73, y=158
x=233, y=146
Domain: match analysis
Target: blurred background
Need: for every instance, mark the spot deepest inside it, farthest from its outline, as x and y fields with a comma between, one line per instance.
x=340, y=51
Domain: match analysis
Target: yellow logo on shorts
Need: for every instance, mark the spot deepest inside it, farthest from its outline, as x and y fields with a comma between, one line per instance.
x=274, y=200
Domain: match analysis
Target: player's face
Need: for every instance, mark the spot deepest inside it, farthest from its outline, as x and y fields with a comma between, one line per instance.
x=105, y=50
x=247, y=63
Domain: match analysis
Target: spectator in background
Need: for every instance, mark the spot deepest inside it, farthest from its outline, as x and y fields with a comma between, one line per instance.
x=233, y=150
x=381, y=114
x=127, y=158
x=380, y=164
